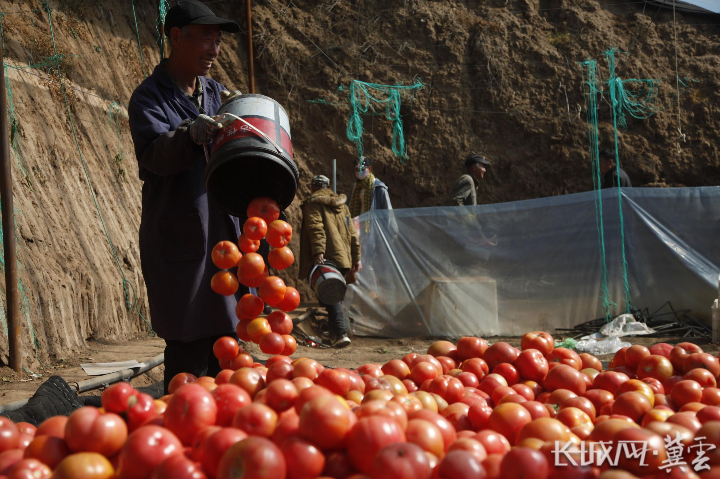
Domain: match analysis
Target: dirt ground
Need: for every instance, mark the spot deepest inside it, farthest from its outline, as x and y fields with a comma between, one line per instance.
x=363, y=350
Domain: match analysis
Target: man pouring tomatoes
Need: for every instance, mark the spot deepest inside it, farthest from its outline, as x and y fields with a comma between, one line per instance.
x=171, y=121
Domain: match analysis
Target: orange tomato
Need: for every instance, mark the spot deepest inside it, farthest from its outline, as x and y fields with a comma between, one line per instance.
x=257, y=328
x=225, y=255
x=255, y=228
x=224, y=283
x=272, y=290
x=248, y=245
x=281, y=258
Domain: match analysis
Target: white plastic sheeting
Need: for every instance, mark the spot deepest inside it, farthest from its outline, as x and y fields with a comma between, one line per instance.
x=509, y=268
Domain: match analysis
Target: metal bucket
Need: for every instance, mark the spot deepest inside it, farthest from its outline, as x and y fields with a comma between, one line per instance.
x=251, y=155
x=328, y=283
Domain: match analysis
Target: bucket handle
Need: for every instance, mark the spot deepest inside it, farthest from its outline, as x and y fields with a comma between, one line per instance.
x=253, y=128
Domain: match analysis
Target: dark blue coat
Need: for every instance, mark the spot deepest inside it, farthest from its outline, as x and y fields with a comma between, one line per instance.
x=180, y=225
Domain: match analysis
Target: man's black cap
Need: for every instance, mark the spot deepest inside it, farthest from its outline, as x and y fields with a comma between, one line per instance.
x=192, y=12
x=365, y=162
x=473, y=159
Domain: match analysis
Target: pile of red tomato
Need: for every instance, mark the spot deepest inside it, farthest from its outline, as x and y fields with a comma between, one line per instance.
x=272, y=334
x=460, y=411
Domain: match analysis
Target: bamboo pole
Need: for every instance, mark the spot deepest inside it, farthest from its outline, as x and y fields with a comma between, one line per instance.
x=251, y=68
x=8, y=229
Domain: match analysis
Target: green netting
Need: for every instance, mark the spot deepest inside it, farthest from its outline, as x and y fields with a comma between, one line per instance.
x=590, y=90
x=160, y=21
x=367, y=99
x=638, y=98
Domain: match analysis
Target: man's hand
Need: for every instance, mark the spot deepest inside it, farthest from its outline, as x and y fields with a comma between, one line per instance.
x=356, y=267
x=203, y=129
x=319, y=259
x=227, y=95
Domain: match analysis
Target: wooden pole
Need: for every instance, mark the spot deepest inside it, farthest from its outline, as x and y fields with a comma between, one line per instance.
x=251, y=69
x=163, y=40
x=8, y=229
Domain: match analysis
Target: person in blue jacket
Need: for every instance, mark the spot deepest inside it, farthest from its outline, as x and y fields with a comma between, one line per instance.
x=171, y=123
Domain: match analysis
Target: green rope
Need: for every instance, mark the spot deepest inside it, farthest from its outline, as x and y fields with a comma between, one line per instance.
x=160, y=20
x=591, y=91
x=364, y=98
x=640, y=103
x=129, y=304
x=137, y=30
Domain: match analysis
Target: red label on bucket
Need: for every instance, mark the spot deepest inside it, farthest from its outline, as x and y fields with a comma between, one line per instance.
x=238, y=129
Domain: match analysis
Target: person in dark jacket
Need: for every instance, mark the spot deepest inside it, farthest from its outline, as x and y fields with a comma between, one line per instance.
x=171, y=123
x=612, y=174
x=368, y=193
x=465, y=190
x=328, y=234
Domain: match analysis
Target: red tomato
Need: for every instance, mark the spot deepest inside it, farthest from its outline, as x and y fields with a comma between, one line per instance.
x=116, y=398
x=243, y=360
x=508, y=419
x=142, y=411
x=178, y=466
x=523, y=462
x=460, y=464
x=190, y=409
x=581, y=403
x=281, y=394
x=427, y=435
x=281, y=258
x=145, y=449
x=441, y=348
x=468, y=379
x=324, y=421
x=10, y=458
x=590, y=361
x=280, y=322
x=655, y=366
x=338, y=382
x=337, y=465
x=536, y=409
x=224, y=283
x=401, y=460
x=619, y=358
x=508, y=372
x=609, y=381
x=226, y=348
x=215, y=446
x=476, y=366
x=9, y=434
x=564, y=376
x=500, y=352
x=257, y=328
x=249, y=306
x=449, y=388
x=255, y=228
x=471, y=347
x=423, y=371
x=662, y=349
x=256, y=419
x=702, y=376
x=272, y=343
x=655, y=444
x=88, y=430
x=307, y=368
x=265, y=208
x=279, y=234
x=634, y=385
x=634, y=355
x=711, y=396
x=225, y=255
x=446, y=429
x=249, y=379
x=677, y=357
x=229, y=398
x=290, y=301
x=565, y=356
x=84, y=465
x=686, y=391
x=248, y=245
x=48, y=449
x=632, y=404
x=272, y=291
x=397, y=368
x=251, y=265
x=368, y=436
x=655, y=385
x=702, y=360
x=303, y=459
x=541, y=341
x=253, y=457
x=280, y=370
x=31, y=468
x=532, y=365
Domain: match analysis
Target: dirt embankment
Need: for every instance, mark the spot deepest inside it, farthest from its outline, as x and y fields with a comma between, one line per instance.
x=502, y=78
